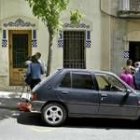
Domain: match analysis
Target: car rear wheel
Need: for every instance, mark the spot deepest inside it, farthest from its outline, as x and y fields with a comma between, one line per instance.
x=54, y=114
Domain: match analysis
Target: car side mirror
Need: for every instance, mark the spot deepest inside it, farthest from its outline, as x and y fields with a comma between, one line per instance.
x=128, y=91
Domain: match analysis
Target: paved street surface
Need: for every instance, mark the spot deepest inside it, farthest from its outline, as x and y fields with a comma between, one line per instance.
x=28, y=126
x=16, y=125
x=10, y=100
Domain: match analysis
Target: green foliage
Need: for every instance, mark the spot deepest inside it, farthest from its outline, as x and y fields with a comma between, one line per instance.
x=49, y=12
x=76, y=16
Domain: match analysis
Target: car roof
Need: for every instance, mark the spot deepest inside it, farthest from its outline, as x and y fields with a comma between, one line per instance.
x=87, y=70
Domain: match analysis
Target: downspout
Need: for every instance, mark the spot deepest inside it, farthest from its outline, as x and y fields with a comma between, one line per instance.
x=111, y=47
x=106, y=12
x=0, y=16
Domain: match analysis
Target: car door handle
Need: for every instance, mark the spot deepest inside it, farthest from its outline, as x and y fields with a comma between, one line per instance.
x=103, y=95
x=65, y=92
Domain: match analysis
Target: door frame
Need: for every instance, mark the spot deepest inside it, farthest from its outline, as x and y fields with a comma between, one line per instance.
x=134, y=46
x=10, y=33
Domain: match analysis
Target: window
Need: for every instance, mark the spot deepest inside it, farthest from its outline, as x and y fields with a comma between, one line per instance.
x=66, y=81
x=20, y=49
x=82, y=81
x=135, y=5
x=102, y=82
x=76, y=80
x=74, y=49
x=108, y=82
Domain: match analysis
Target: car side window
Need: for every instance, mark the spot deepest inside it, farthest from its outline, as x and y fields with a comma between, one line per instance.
x=102, y=82
x=66, y=81
x=108, y=82
x=82, y=81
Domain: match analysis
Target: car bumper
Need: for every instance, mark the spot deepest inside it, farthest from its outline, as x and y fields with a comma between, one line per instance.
x=37, y=105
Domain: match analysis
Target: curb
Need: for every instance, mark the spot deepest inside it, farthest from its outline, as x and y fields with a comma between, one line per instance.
x=9, y=103
x=9, y=108
x=10, y=100
x=5, y=94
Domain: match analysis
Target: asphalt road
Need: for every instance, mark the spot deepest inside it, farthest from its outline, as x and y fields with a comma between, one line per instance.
x=16, y=125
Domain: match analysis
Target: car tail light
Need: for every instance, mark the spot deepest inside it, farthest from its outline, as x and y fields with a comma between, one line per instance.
x=34, y=96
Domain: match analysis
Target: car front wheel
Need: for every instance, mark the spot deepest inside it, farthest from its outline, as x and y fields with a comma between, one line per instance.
x=54, y=114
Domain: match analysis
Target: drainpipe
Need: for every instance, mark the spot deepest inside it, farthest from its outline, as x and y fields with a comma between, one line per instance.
x=0, y=15
x=105, y=11
x=110, y=49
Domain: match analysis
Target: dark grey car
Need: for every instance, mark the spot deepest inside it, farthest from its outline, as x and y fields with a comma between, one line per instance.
x=84, y=93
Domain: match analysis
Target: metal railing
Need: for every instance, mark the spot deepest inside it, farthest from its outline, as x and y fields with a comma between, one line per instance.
x=74, y=64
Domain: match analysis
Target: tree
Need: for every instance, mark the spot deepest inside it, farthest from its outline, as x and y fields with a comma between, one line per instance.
x=49, y=12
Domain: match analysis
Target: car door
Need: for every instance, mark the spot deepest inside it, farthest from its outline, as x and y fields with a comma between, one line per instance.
x=114, y=101
x=78, y=91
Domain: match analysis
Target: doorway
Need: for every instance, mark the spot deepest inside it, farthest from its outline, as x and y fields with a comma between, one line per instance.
x=134, y=51
x=19, y=50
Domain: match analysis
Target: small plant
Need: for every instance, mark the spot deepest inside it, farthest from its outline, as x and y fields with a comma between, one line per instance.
x=76, y=16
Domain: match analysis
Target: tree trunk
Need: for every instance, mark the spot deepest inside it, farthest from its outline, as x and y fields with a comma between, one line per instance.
x=49, y=53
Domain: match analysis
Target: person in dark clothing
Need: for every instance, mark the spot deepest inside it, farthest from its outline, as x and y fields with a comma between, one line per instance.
x=137, y=78
x=38, y=57
x=35, y=71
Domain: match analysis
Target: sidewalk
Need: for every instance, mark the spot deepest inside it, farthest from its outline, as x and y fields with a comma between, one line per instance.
x=10, y=100
x=8, y=94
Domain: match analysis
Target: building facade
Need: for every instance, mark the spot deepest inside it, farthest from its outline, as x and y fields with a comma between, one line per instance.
x=123, y=20
x=106, y=37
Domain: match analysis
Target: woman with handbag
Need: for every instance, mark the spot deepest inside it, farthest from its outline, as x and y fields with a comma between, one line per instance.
x=34, y=72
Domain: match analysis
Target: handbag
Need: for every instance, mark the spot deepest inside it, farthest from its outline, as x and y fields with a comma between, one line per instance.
x=28, y=79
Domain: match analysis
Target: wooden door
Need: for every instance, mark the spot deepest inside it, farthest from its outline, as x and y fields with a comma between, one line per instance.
x=19, y=50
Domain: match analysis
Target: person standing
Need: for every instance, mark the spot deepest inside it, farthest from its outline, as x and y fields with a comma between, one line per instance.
x=137, y=66
x=35, y=71
x=127, y=76
x=137, y=78
x=28, y=61
x=129, y=66
x=38, y=57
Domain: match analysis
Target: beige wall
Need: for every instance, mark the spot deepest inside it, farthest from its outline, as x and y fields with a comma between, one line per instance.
x=10, y=11
x=109, y=34
x=91, y=9
x=133, y=30
x=14, y=9
x=117, y=32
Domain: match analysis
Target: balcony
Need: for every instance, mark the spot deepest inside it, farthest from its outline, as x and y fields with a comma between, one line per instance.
x=129, y=8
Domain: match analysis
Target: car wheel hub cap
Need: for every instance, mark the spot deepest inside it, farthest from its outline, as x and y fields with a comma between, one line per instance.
x=54, y=114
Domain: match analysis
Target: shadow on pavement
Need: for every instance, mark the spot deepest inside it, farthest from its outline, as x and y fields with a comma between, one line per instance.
x=103, y=123
x=5, y=114
x=35, y=119
x=28, y=118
